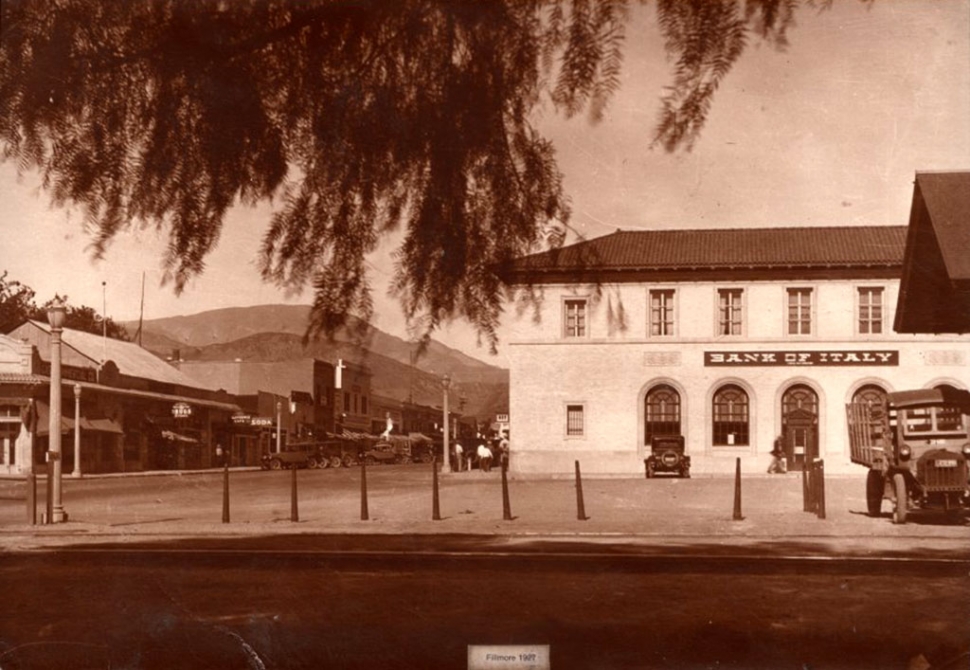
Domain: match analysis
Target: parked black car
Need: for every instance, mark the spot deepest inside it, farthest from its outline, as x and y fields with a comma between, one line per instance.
x=667, y=456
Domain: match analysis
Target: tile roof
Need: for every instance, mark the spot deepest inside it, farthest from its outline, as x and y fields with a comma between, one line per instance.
x=713, y=249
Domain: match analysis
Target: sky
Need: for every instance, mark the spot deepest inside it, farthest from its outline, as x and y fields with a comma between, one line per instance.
x=828, y=132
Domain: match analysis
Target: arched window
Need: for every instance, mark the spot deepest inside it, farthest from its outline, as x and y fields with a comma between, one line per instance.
x=799, y=397
x=661, y=412
x=731, y=417
x=870, y=395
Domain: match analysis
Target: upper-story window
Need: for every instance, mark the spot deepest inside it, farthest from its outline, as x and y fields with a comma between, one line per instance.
x=575, y=317
x=661, y=312
x=870, y=310
x=729, y=311
x=799, y=311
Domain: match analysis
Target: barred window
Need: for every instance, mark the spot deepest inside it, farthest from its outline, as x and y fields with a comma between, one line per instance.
x=799, y=311
x=575, y=421
x=661, y=412
x=574, y=324
x=729, y=311
x=870, y=310
x=730, y=417
x=662, y=312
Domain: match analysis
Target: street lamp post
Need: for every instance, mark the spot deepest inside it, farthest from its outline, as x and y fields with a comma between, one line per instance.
x=77, y=431
x=446, y=466
x=279, y=428
x=56, y=314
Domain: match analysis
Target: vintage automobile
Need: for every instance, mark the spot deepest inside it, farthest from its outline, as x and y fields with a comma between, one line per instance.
x=383, y=453
x=667, y=456
x=285, y=460
x=917, y=447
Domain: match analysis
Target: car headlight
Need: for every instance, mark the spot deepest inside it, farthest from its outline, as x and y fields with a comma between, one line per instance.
x=905, y=453
x=966, y=450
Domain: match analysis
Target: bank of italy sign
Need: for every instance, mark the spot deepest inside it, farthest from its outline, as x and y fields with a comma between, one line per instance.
x=799, y=358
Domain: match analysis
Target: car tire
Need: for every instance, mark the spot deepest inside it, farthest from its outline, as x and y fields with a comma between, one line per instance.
x=650, y=471
x=312, y=463
x=902, y=499
x=348, y=461
x=875, y=486
x=335, y=462
x=276, y=464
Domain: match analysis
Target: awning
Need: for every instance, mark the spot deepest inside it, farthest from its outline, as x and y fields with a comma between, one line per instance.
x=419, y=437
x=44, y=420
x=177, y=437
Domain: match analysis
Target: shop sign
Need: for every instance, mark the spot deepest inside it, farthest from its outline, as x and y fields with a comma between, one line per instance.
x=241, y=419
x=501, y=418
x=261, y=421
x=799, y=358
x=181, y=410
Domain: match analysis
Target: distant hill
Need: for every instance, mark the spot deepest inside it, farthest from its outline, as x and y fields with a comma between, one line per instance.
x=275, y=332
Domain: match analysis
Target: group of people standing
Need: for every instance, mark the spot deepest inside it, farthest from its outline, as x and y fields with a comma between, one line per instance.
x=483, y=454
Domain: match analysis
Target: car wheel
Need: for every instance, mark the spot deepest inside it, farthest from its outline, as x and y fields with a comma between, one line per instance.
x=902, y=499
x=685, y=473
x=875, y=485
x=370, y=460
x=650, y=471
x=335, y=462
x=348, y=461
x=323, y=463
x=276, y=464
x=311, y=463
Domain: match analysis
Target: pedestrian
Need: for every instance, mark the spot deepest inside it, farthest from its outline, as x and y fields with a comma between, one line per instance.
x=459, y=452
x=778, y=465
x=220, y=456
x=484, y=458
x=503, y=450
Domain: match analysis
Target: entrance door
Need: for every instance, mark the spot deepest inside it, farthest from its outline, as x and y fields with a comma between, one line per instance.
x=799, y=421
x=801, y=447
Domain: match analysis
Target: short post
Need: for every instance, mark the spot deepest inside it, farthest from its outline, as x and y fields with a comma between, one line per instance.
x=580, y=507
x=49, y=512
x=737, y=490
x=820, y=491
x=506, y=505
x=225, y=493
x=32, y=498
x=294, y=509
x=435, y=507
x=364, y=515
x=806, y=498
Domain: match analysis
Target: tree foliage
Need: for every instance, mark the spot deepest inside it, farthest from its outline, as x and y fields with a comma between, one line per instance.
x=17, y=305
x=357, y=118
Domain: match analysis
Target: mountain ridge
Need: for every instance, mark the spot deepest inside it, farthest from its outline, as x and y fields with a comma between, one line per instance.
x=267, y=333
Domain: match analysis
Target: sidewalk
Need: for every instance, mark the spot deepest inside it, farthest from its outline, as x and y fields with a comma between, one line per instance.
x=659, y=512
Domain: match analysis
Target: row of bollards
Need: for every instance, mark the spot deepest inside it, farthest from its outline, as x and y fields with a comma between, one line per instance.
x=813, y=488
x=364, y=513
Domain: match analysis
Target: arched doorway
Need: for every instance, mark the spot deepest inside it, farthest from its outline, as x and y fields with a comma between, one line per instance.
x=661, y=412
x=799, y=425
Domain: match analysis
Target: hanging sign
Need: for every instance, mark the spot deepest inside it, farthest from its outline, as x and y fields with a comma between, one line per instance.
x=181, y=410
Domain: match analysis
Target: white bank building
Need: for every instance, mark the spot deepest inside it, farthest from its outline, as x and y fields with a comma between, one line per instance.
x=729, y=338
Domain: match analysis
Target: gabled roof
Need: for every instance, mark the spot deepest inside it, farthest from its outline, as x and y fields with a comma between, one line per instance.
x=934, y=293
x=131, y=359
x=947, y=198
x=724, y=249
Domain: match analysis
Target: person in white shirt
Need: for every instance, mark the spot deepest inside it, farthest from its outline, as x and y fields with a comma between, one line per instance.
x=484, y=458
x=459, y=452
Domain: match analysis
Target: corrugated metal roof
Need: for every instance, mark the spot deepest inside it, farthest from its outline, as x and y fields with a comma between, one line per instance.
x=947, y=198
x=846, y=246
x=131, y=359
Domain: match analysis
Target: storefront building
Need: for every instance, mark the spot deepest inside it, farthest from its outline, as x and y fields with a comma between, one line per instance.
x=123, y=408
x=732, y=339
